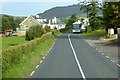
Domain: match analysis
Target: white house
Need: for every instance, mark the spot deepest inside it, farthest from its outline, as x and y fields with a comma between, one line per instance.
x=33, y=20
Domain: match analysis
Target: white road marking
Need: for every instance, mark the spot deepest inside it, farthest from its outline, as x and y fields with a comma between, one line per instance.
x=78, y=63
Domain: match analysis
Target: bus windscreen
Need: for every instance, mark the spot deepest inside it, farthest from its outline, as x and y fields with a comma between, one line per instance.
x=76, y=26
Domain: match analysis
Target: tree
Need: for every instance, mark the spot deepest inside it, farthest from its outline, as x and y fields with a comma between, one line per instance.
x=93, y=14
x=10, y=22
x=82, y=19
x=85, y=8
x=91, y=9
x=72, y=19
x=111, y=15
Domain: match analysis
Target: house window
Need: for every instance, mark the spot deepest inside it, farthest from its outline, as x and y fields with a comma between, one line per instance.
x=25, y=26
x=30, y=20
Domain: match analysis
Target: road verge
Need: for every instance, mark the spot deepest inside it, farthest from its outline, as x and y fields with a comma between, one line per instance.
x=27, y=61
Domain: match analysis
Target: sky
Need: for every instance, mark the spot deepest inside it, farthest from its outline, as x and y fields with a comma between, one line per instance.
x=33, y=7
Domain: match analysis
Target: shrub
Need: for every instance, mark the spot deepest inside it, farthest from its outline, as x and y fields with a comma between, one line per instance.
x=47, y=28
x=55, y=28
x=34, y=31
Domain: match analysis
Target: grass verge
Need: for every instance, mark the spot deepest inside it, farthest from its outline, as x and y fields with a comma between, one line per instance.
x=12, y=41
x=28, y=61
x=96, y=33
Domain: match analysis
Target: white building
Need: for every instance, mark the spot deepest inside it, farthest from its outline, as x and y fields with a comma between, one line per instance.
x=33, y=20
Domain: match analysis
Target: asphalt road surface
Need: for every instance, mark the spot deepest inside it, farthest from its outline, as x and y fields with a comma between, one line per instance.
x=72, y=57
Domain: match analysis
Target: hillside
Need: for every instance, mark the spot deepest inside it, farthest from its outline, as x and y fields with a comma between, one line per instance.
x=64, y=11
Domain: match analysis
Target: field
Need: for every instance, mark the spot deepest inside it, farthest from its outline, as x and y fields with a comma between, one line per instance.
x=12, y=41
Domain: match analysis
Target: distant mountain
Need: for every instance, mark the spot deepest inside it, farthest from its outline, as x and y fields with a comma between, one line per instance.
x=63, y=11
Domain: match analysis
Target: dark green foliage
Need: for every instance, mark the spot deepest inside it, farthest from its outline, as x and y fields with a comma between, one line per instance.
x=34, y=32
x=71, y=20
x=91, y=9
x=111, y=15
x=69, y=23
x=85, y=8
x=82, y=19
x=55, y=28
x=47, y=28
x=10, y=22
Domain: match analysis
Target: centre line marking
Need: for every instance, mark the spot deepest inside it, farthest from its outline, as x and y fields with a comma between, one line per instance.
x=78, y=63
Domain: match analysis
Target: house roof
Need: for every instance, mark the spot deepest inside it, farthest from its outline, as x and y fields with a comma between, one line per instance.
x=26, y=19
x=60, y=22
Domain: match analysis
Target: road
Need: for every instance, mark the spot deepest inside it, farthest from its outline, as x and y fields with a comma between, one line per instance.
x=72, y=57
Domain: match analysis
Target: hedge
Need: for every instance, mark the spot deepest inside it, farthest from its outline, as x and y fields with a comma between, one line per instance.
x=13, y=55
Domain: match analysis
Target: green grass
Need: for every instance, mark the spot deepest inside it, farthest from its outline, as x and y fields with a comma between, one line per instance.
x=96, y=33
x=12, y=41
x=29, y=61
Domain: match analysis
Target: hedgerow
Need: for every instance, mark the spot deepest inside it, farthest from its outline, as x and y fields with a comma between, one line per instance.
x=13, y=55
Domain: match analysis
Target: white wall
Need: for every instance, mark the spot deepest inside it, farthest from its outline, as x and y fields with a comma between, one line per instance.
x=53, y=26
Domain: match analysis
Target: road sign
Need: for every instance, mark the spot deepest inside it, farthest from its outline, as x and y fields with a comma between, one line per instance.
x=54, y=21
x=86, y=21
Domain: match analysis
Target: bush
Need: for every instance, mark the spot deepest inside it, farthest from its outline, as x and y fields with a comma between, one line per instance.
x=34, y=31
x=55, y=28
x=47, y=28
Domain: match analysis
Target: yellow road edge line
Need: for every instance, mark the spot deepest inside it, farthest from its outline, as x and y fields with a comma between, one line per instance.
x=37, y=66
x=106, y=56
x=46, y=54
x=113, y=61
x=118, y=65
x=43, y=57
x=96, y=49
x=102, y=53
x=41, y=61
x=99, y=51
x=32, y=73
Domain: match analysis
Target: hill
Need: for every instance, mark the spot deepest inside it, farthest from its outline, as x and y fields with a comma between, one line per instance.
x=64, y=11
